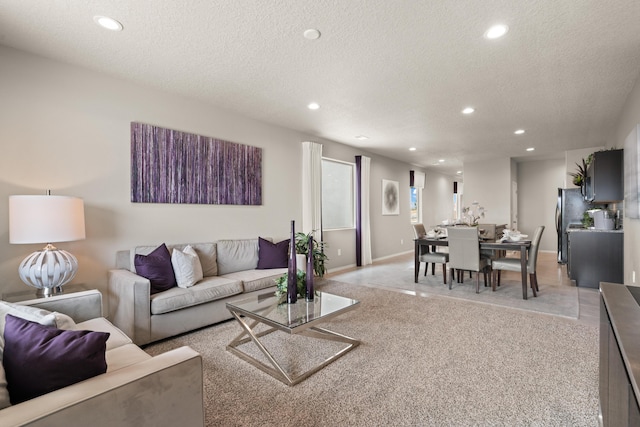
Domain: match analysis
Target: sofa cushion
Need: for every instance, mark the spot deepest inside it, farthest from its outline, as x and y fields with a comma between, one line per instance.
x=40, y=359
x=157, y=268
x=206, y=252
x=272, y=255
x=253, y=280
x=117, y=338
x=237, y=255
x=209, y=289
x=186, y=266
x=44, y=317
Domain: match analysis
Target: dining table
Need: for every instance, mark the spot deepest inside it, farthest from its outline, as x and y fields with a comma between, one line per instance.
x=521, y=246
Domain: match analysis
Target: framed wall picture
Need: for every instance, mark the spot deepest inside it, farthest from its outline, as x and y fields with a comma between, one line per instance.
x=171, y=166
x=390, y=197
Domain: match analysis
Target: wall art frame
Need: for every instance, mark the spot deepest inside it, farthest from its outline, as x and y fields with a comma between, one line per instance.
x=390, y=197
x=171, y=166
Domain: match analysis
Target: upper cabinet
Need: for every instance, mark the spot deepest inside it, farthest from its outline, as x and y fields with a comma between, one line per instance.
x=605, y=177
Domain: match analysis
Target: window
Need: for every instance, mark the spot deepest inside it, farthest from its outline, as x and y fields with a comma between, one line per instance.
x=338, y=200
x=415, y=204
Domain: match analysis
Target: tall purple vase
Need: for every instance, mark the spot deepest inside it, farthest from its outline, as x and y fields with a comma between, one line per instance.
x=309, y=281
x=292, y=273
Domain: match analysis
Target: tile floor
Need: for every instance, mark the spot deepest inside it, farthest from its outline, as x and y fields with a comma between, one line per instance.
x=400, y=275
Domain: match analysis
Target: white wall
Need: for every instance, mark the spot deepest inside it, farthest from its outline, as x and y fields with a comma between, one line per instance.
x=437, y=204
x=67, y=129
x=538, y=183
x=489, y=183
x=629, y=118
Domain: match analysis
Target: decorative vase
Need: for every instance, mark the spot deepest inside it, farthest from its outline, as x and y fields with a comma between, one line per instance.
x=292, y=273
x=309, y=282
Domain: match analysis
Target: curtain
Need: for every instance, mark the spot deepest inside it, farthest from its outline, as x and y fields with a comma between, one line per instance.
x=363, y=219
x=312, y=188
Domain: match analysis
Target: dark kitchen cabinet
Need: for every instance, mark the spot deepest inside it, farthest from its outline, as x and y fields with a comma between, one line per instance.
x=604, y=182
x=595, y=256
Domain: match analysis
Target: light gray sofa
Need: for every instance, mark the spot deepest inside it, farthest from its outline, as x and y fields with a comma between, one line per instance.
x=229, y=268
x=137, y=389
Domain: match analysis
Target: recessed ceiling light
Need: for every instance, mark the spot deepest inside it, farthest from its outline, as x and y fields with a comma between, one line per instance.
x=496, y=31
x=108, y=23
x=362, y=137
x=468, y=110
x=519, y=132
x=412, y=149
x=441, y=161
x=312, y=34
x=313, y=106
x=459, y=172
x=530, y=149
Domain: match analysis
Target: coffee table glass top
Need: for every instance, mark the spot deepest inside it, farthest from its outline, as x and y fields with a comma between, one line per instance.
x=275, y=311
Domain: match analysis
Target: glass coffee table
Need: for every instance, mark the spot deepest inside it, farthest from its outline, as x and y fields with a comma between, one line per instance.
x=301, y=318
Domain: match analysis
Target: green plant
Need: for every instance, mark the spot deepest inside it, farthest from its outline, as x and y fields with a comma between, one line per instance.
x=587, y=221
x=282, y=281
x=580, y=175
x=319, y=257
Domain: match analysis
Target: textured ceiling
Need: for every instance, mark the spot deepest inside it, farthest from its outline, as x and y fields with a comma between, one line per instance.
x=398, y=71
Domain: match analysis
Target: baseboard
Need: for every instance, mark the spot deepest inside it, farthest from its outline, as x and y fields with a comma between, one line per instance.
x=348, y=266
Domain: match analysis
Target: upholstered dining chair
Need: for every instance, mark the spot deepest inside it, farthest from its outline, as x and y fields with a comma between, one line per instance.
x=427, y=256
x=513, y=264
x=464, y=254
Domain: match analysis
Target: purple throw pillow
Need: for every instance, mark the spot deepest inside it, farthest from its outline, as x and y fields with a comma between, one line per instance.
x=157, y=268
x=40, y=359
x=272, y=255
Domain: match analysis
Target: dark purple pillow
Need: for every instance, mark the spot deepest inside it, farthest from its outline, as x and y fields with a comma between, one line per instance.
x=157, y=268
x=40, y=359
x=272, y=255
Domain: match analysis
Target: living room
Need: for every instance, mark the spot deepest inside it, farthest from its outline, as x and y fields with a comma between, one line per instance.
x=66, y=128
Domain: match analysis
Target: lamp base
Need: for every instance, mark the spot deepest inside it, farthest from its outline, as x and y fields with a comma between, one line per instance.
x=49, y=292
x=48, y=270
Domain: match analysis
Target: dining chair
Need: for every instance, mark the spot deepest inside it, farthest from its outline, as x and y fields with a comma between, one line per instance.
x=514, y=264
x=464, y=254
x=428, y=256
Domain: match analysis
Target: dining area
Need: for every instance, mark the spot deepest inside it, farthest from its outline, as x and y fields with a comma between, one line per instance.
x=482, y=249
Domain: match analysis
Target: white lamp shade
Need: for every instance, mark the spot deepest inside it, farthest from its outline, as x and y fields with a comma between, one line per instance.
x=45, y=219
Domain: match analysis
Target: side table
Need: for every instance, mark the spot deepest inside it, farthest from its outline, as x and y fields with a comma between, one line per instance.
x=30, y=294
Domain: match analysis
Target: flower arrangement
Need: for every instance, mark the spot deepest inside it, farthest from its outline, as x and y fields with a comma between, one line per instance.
x=473, y=213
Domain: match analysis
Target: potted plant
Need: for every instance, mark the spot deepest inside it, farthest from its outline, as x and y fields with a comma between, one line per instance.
x=319, y=257
x=581, y=174
x=281, y=284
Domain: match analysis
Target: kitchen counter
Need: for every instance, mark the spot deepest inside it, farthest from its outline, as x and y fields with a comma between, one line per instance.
x=591, y=230
x=619, y=354
x=595, y=256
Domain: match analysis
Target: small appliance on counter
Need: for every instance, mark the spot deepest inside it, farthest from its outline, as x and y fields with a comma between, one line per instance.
x=603, y=219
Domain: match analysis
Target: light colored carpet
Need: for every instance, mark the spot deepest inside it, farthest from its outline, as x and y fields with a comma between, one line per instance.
x=423, y=361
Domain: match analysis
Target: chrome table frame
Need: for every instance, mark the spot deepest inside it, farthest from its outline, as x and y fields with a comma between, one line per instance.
x=521, y=245
x=305, y=328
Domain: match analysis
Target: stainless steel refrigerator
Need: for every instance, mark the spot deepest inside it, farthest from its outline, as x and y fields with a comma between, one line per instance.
x=569, y=211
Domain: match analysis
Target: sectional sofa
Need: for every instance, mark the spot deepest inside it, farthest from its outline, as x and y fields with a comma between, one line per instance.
x=230, y=272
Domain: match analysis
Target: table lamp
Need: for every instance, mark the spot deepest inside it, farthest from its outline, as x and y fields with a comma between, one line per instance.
x=46, y=219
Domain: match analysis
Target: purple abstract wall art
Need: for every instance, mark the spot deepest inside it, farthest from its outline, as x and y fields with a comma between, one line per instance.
x=170, y=166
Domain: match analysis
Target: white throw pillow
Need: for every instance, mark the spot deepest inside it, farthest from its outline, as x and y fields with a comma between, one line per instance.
x=34, y=314
x=186, y=267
